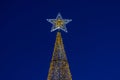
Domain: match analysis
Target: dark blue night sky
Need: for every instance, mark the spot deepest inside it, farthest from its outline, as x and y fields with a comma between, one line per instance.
x=92, y=43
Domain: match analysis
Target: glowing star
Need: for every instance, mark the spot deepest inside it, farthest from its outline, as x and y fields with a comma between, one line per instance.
x=59, y=23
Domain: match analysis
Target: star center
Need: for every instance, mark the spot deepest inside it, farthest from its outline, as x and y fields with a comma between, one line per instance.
x=59, y=23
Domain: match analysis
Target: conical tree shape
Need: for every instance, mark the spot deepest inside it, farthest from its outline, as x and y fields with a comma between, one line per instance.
x=59, y=67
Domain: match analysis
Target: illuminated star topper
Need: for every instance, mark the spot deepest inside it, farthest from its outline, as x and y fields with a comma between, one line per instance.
x=59, y=23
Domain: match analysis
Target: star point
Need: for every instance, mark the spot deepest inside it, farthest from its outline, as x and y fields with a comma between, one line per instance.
x=59, y=23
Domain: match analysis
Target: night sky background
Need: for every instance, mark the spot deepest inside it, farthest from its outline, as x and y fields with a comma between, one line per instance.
x=92, y=43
